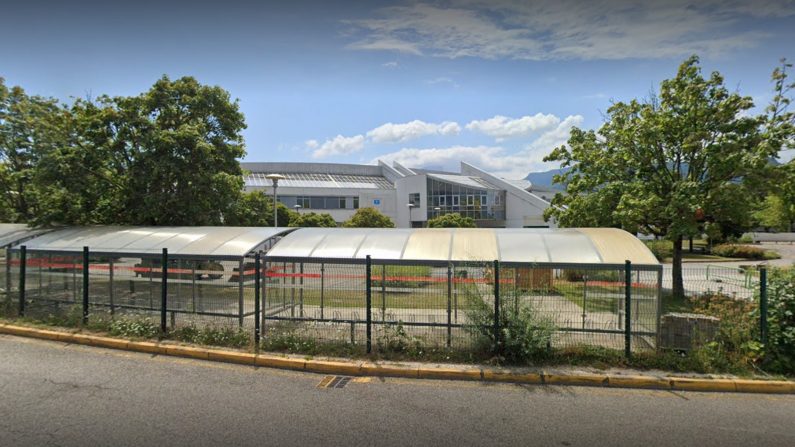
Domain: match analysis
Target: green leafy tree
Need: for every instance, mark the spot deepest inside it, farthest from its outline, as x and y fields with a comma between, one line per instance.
x=30, y=128
x=774, y=213
x=313, y=220
x=255, y=209
x=368, y=218
x=667, y=165
x=452, y=220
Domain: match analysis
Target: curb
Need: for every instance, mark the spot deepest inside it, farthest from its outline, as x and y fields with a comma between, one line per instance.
x=365, y=368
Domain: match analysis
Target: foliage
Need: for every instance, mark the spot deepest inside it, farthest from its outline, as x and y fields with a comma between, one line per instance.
x=212, y=336
x=775, y=214
x=368, y=218
x=134, y=328
x=313, y=220
x=661, y=249
x=255, y=209
x=30, y=128
x=393, y=339
x=523, y=335
x=165, y=157
x=779, y=354
x=743, y=251
x=451, y=220
x=684, y=161
x=735, y=346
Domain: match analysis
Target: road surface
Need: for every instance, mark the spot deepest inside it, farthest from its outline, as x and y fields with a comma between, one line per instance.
x=67, y=395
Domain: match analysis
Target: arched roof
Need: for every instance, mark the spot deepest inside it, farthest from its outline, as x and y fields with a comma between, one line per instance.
x=564, y=246
x=204, y=242
x=11, y=234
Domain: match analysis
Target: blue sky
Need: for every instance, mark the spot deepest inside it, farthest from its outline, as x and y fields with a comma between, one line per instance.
x=492, y=82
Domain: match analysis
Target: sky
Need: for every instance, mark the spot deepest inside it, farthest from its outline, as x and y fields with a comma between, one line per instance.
x=495, y=83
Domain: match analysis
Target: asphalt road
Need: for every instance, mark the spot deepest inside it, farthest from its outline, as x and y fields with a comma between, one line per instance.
x=67, y=395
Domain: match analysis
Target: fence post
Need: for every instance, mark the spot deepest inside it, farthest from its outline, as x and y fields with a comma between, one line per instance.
x=627, y=309
x=163, y=290
x=497, y=304
x=240, y=301
x=449, y=304
x=23, y=259
x=368, y=271
x=110, y=286
x=85, y=285
x=763, y=304
x=257, y=275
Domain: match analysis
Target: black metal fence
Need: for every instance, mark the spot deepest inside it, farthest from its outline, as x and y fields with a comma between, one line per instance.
x=365, y=303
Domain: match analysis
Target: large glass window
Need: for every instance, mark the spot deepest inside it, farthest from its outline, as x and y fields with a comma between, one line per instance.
x=479, y=204
x=320, y=202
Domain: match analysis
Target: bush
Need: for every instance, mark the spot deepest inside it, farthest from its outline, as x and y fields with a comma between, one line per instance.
x=393, y=339
x=134, y=328
x=779, y=353
x=223, y=336
x=661, y=249
x=523, y=336
x=451, y=220
x=735, y=347
x=743, y=251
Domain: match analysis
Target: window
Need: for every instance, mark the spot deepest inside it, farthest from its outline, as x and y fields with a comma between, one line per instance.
x=442, y=201
x=414, y=199
x=497, y=199
x=470, y=200
x=342, y=203
x=483, y=201
x=356, y=203
x=455, y=200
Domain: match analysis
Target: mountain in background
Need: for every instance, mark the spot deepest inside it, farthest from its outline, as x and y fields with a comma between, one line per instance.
x=544, y=179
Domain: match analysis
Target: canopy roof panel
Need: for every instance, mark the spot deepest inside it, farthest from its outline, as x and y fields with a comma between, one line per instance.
x=206, y=242
x=11, y=234
x=573, y=245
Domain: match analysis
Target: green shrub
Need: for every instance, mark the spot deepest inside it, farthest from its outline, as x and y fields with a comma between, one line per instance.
x=134, y=328
x=393, y=339
x=743, y=251
x=212, y=336
x=735, y=347
x=661, y=249
x=779, y=354
x=523, y=335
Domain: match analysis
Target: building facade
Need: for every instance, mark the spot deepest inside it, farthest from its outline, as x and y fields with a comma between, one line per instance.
x=408, y=196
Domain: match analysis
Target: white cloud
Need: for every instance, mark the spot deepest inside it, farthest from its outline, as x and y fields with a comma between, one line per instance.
x=390, y=64
x=565, y=29
x=312, y=144
x=497, y=159
x=338, y=145
x=395, y=133
x=502, y=127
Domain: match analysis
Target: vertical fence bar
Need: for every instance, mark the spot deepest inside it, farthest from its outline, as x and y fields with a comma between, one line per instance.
x=23, y=258
x=163, y=289
x=257, y=276
x=659, y=305
x=449, y=305
x=763, y=305
x=110, y=286
x=322, y=289
x=584, y=298
x=85, y=285
x=627, y=309
x=264, y=300
x=292, y=290
x=369, y=303
x=497, y=303
x=301, y=291
x=383, y=293
x=240, y=306
x=7, y=298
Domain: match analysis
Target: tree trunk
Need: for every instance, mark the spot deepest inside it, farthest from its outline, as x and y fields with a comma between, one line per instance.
x=678, y=285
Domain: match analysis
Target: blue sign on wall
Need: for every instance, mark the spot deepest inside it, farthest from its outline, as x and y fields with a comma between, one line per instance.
x=376, y=201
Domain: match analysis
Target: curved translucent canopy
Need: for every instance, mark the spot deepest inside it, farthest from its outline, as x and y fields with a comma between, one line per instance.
x=573, y=245
x=204, y=242
x=11, y=234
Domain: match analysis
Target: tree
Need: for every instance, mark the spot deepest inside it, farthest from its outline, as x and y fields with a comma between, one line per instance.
x=774, y=213
x=368, y=218
x=30, y=127
x=255, y=209
x=313, y=220
x=452, y=220
x=671, y=165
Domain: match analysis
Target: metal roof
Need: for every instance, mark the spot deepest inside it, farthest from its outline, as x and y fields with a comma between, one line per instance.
x=203, y=242
x=321, y=180
x=463, y=180
x=11, y=234
x=562, y=246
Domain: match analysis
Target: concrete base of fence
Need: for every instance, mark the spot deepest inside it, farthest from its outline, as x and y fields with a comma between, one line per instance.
x=366, y=368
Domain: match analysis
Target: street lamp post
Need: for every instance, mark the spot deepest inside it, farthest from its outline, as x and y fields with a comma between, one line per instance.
x=411, y=207
x=275, y=179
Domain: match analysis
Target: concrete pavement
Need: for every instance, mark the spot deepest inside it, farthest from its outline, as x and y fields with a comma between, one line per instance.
x=59, y=394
